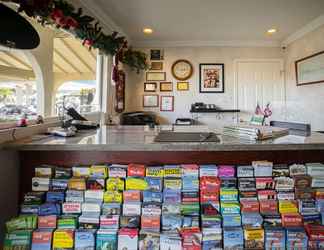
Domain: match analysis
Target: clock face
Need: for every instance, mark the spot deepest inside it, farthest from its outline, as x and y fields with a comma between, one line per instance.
x=182, y=70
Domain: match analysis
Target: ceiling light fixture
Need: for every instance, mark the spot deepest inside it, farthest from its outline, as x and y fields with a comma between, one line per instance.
x=271, y=31
x=147, y=31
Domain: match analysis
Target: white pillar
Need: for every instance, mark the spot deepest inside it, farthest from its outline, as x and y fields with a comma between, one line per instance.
x=41, y=60
x=19, y=94
x=99, y=81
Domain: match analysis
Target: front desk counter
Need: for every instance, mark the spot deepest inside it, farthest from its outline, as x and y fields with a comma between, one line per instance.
x=135, y=144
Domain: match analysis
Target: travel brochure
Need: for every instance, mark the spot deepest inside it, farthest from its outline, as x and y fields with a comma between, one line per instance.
x=129, y=207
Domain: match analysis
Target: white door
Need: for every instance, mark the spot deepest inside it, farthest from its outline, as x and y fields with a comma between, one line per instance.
x=260, y=81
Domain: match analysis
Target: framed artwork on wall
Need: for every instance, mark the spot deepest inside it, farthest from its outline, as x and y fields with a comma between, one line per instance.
x=150, y=86
x=156, y=66
x=167, y=103
x=150, y=101
x=156, y=54
x=211, y=78
x=310, y=70
x=155, y=76
x=166, y=86
x=182, y=86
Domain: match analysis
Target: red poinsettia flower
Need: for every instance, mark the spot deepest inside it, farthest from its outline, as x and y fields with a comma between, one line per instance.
x=57, y=14
x=88, y=42
x=71, y=23
x=62, y=22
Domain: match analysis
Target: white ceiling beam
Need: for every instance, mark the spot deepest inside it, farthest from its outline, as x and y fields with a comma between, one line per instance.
x=67, y=61
x=18, y=60
x=6, y=62
x=16, y=73
x=59, y=67
x=94, y=57
x=77, y=55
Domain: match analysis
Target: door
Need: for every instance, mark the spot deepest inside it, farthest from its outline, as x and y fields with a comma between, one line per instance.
x=260, y=81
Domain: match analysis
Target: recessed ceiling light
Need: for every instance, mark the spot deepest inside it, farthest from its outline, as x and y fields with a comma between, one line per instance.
x=271, y=31
x=147, y=31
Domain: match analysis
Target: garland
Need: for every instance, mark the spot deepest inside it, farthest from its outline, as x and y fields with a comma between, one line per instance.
x=64, y=16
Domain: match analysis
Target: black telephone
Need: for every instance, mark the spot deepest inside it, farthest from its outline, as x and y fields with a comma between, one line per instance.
x=79, y=121
x=202, y=106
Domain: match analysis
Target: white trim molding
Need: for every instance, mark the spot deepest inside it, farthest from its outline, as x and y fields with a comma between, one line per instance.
x=194, y=43
x=313, y=25
x=105, y=21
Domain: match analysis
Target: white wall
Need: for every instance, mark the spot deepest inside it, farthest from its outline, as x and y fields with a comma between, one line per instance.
x=305, y=103
x=183, y=99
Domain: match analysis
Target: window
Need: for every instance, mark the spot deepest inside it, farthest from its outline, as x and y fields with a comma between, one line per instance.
x=18, y=92
x=79, y=95
x=74, y=68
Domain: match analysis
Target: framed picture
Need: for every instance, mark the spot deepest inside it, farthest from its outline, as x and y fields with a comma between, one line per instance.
x=211, y=78
x=155, y=76
x=166, y=86
x=156, y=66
x=156, y=54
x=310, y=70
x=150, y=101
x=182, y=86
x=150, y=86
x=167, y=103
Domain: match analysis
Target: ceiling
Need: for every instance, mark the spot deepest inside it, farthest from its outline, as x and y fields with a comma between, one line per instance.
x=69, y=57
x=209, y=20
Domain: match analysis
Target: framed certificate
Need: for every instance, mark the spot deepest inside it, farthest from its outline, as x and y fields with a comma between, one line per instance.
x=155, y=76
x=166, y=86
x=167, y=103
x=150, y=101
x=150, y=86
x=182, y=86
x=156, y=66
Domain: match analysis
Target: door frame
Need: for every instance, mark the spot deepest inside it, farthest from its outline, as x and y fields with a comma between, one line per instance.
x=264, y=60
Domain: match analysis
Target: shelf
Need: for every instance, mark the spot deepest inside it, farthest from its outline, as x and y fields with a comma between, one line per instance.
x=216, y=111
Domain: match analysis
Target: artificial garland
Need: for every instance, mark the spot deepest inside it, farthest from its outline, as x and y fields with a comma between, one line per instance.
x=63, y=15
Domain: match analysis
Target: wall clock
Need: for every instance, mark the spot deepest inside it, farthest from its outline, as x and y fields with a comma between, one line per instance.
x=182, y=70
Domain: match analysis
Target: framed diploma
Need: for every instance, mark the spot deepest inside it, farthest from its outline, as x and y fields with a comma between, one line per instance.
x=182, y=86
x=166, y=86
x=167, y=103
x=150, y=101
x=150, y=86
x=155, y=76
x=156, y=66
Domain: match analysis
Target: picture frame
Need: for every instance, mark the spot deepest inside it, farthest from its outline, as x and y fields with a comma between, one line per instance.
x=156, y=66
x=150, y=86
x=166, y=86
x=182, y=86
x=155, y=76
x=150, y=101
x=309, y=70
x=211, y=78
x=156, y=54
x=167, y=103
